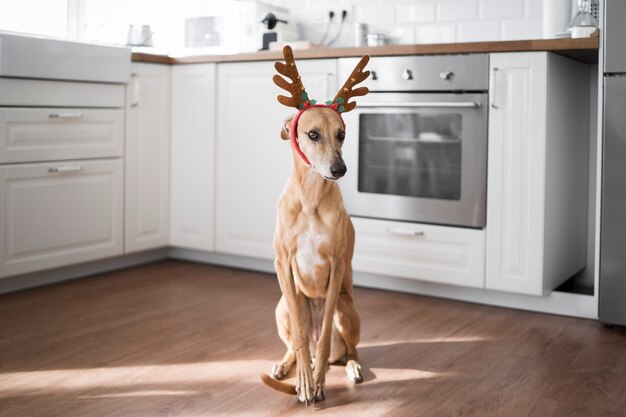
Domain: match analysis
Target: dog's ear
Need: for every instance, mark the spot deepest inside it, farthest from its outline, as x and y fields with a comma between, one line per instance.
x=284, y=132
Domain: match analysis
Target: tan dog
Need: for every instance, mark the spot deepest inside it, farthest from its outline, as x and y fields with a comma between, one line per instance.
x=314, y=242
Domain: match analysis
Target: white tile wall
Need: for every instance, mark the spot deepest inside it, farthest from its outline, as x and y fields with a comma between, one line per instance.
x=424, y=21
x=477, y=31
x=457, y=10
x=517, y=29
x=498, y=9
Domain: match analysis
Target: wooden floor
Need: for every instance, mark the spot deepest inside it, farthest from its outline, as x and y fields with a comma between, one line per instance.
x=181, y=339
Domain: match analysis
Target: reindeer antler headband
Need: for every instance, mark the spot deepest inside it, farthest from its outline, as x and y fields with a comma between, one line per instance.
x=300, y=98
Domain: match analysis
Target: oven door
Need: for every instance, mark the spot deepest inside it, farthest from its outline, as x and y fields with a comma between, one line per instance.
x=417, y=157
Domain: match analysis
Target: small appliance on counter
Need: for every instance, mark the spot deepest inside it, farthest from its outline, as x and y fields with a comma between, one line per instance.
x=139, y=36
x=280, y=28
x=201, y=32
x=227, y=27
x=584, y=23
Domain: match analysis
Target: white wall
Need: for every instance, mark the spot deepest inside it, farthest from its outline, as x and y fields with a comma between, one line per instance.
x=425, y=21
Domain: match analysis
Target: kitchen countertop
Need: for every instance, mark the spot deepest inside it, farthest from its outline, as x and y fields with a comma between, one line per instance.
x=583, y=49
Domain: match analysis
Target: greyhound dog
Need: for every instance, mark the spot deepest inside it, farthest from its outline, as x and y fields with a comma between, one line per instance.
x=314, y=241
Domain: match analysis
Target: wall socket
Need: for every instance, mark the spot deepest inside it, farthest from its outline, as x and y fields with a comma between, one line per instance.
x=337, y=17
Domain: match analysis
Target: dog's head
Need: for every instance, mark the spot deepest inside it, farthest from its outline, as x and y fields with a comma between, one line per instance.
x=319, y=134
x=317, y=131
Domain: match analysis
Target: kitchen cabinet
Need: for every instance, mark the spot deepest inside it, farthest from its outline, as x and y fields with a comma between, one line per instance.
x=147, y=158
x=446, y=255
x=253, y=163
x=59, y=213
x=61, y=173
x=537, y=171
x=193, y=156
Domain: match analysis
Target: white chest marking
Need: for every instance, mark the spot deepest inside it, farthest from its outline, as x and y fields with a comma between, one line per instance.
x=307, y=255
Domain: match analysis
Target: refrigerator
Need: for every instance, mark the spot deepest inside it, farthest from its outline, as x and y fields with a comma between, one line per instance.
x=612, y=286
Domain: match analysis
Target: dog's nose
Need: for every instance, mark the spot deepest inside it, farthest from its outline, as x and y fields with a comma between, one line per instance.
x=338, y=169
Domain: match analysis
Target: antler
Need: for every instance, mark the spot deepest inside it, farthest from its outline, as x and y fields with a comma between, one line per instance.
x=290, y=71
x=346, y=92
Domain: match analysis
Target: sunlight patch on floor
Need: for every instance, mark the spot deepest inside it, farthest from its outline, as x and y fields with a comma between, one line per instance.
x=141, y=393
x=463, y=339
x=129, y=376
x=399, y=374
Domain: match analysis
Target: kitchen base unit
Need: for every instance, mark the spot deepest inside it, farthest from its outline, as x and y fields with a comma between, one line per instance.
x=59, y=213
x=537, y=175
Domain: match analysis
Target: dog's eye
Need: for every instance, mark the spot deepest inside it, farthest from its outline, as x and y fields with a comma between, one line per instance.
x=314, y=135
x=341, y=136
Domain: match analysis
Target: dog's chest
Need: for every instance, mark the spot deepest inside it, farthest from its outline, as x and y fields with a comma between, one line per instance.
x=312, y=259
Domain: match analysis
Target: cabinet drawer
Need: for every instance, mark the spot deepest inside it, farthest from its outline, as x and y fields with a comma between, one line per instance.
x=49, y=134
x=46, y=93
x=56, y=214
x=447, y=255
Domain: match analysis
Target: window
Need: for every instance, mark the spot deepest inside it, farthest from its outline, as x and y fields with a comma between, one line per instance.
x=41, y=17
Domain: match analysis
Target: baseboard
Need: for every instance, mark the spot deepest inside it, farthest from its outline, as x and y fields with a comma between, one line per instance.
x=222, y=259
x=51, y=276
x=561, y=303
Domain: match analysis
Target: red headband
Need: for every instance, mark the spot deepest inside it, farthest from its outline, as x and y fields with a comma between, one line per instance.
x=294, y=124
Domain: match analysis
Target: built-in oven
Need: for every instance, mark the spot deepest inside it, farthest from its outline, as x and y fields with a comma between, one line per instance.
x=416, y=145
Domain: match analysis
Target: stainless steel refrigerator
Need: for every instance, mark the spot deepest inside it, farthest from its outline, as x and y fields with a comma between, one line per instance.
x=612, y=299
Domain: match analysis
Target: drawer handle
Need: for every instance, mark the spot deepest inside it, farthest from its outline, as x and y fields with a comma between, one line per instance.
x=65, y=168
x=66, y=116
x=135, y=90
x=405, y=232
x=492, y=89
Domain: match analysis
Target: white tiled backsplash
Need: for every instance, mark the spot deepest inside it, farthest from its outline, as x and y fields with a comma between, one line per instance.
x=422, y=21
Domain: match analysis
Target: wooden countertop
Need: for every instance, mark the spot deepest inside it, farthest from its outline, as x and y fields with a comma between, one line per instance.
x=583, y=49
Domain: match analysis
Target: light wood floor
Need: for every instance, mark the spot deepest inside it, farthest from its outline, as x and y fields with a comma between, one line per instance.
x=181, y=339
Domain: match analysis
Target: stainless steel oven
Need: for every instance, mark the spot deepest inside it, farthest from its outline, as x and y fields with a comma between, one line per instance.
x=416, y=145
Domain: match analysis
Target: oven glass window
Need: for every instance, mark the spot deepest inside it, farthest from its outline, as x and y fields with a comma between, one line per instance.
x=411, y=154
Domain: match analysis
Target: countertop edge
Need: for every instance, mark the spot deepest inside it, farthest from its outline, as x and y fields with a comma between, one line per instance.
x=585, y=49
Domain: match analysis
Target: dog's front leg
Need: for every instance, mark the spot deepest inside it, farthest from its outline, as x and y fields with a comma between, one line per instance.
x=323, y=344
x=299, y=331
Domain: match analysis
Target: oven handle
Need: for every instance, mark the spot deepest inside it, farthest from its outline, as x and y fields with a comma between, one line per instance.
x=432, y=104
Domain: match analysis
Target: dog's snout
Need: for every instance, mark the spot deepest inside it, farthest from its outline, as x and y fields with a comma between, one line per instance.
x=338, y=169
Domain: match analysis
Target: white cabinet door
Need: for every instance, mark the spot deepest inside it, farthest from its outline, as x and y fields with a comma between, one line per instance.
x=59, y=213
x=193, y=156
x=447, y=255
x=516, y=172
x=253, y=163
x=147, y=157
x=537, y=171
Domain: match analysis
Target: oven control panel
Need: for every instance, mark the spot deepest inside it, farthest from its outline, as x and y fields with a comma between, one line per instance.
x=469, y=72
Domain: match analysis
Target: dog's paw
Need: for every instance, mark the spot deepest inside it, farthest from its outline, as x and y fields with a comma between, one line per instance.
x=304, y=385
x=353, y=370
x=319, y=381
x=319, y=392
x=279, y=371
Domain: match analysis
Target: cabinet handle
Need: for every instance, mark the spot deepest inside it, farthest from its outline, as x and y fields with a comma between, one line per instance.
x=65, y=168
x=66, y=116
x=135, y=89
x=492, y=89
x=405, y=232
x=327, y=84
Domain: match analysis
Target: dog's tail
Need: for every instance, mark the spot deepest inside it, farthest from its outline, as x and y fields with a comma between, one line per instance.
x=278, y=385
